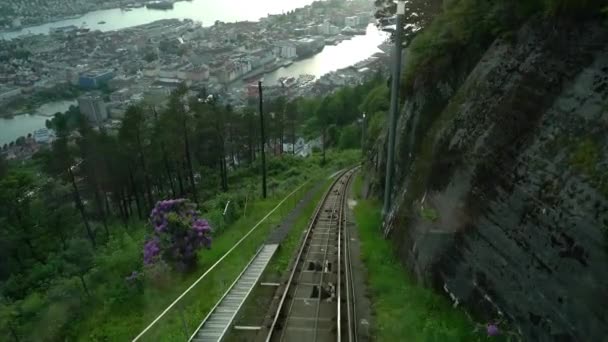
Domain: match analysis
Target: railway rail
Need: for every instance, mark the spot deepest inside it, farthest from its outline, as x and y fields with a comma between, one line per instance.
x=317, y=302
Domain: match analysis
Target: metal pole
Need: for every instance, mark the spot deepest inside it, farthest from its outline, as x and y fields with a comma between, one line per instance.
x=263, y=138
x=392, y=123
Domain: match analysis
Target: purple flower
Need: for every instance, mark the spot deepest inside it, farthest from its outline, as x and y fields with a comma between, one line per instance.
x=151, y=251
x=492, y=329
x=178, y=232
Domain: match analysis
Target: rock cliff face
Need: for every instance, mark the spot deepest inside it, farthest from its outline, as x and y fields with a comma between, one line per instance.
x=501, y=196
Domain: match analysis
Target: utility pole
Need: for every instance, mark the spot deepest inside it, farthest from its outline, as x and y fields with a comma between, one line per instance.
x=263, y=138
x=394, y=109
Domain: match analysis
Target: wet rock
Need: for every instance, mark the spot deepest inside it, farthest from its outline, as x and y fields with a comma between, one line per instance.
x=513, y=159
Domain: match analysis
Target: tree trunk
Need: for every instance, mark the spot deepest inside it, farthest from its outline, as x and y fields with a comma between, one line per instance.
x=143, y=166
x=135, y=194
x=60, y=233
x=84, y=285
x=13, y=332
x=168, y=170
x=293, y=137
x=180, y=183
x=189, y=159
x=30, y=246
x=100, y=210
x=108, y=212
x=127, y=203
x=323, y=145
x=231, y=142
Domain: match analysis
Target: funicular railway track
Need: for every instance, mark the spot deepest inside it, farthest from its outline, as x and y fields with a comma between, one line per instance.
x=317, y=304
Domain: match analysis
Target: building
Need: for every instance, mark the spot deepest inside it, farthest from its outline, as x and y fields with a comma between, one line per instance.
x=95, y=78
x=352, y=21
x=93, y=108
x=121, y=82
x=195, y=74
x=287, y=49
x=16, y=23
x=122, y=95
x=309, y=46
x=324, y=27
x=42, y=136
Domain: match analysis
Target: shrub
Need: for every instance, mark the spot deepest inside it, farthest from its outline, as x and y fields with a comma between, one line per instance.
x=179, y=232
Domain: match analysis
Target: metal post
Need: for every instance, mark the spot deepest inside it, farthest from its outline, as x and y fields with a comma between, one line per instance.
x=263, y=138
x=392, y=123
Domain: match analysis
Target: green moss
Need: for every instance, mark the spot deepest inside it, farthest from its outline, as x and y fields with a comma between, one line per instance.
x=586, y=156
x=403, y=311
x=467, y=27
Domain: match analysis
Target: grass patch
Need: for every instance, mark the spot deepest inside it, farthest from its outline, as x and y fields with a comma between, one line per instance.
x=403, y=310
x=126, y=321
x=429, y=214
x=122, y=321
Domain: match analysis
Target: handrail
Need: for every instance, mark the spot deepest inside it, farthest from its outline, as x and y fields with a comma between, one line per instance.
x=216, y=263
x=225, y=294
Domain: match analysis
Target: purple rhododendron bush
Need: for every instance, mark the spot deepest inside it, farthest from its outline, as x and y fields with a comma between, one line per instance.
x=178, y=233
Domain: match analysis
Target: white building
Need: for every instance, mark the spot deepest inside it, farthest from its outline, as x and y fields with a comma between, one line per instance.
x=16, y=23
x=94, y=108
x=352, y=21
x=287, y=49
x=324, y=28
x=42, y=136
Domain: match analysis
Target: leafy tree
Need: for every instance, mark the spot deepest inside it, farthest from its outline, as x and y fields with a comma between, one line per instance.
x=418, y=14
x=9, y=320
x=56, y=213
x=3, y=166
x=324, y=119
x=17, y=190
x=79, y=260
x=131, y=135
x=350, y=136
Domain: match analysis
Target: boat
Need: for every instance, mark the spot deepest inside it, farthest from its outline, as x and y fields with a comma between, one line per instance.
x=101, y=22
x=161, y=5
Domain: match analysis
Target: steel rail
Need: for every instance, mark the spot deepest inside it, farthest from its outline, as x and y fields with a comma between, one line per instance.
x=337, y=207
x=299, y=256
x=350, y=287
